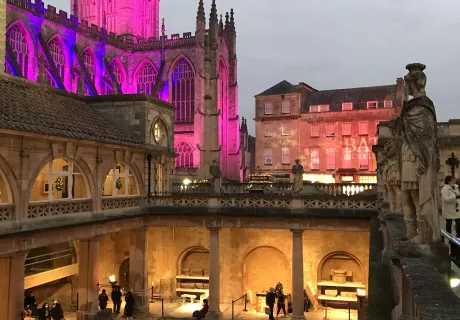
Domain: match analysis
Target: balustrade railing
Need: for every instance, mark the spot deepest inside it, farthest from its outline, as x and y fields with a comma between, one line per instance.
x=346, y=189
x=6, y=212
x=119, y=203
x=47, y=209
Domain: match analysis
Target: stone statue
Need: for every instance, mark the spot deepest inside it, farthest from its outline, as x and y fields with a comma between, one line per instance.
x=392, y=152
x=216, y=177
x=297, y=170
x=382, y=172
x=420, y=160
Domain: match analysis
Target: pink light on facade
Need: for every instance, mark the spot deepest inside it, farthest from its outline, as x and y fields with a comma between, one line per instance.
x=90, y=64
x=185, y=158
x=183, y=91
x=146, y=78
x=23, y=49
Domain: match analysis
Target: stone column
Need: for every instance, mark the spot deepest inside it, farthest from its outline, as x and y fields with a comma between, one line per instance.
x=214, y=277
x=138, y=271
x=297, y=275
x=88, y=270
x=2, y=35
x=12, y=285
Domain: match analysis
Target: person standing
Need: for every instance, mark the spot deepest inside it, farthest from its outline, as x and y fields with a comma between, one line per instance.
x=44, y=312
x=450, y=210
x=56, y=312
x=270, y=302
x=103, y=299
x=129, y=305
x=116, y=298
x=281, y=305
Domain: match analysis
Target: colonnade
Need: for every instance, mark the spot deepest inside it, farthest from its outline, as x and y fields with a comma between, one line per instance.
x=12, y=277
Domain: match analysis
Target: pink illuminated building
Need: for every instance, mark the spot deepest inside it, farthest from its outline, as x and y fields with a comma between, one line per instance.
x=114, y=47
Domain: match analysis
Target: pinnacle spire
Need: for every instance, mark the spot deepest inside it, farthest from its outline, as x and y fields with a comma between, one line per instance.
x=221, y=25
x=201, y=16
x=213, y=16
x=163, y=27
x=232, y=19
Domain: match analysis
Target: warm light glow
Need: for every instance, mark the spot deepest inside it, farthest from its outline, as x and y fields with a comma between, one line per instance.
x=112, y=278
x=347, y=178
x=454, y=282
x=361, y=292
x=321, y=178
x=186, y=181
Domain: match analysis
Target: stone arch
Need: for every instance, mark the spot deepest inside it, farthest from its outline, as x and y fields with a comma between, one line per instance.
x=186, y=156
x=137, y=74
x=81, y=165
x=166, y=127
x=263, y=267
x=136, y=173
x=91, y=51
x=341, y=260
x=191, y=257
x=123, y=274
x=54, y=256
x=12, y=185
x=116, y=60
x=176, y=61
x=32, y=55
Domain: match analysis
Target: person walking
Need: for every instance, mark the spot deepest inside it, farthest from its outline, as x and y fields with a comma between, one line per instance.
x=450, y=210
x=129, y=305
x=270, y=302
x=103, y=299
x=116, y=298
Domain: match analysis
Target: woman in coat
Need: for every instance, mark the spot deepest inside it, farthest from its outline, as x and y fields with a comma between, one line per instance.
x=129, y=305
x=44, y=312
x=56, y=312
x=450, y=210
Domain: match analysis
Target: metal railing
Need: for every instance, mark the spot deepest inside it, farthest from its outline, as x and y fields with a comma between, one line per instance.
x=454, y=247
x=49, y=257
x=152, y=298
x=245, y=296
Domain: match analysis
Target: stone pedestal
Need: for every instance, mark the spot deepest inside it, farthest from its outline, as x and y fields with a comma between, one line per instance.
x=297, y=276
x=214, y=277
x=12, y=285
x=89, y=278
x=138, y=271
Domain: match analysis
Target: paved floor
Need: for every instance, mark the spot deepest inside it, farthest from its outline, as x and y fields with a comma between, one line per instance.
x=178, y=310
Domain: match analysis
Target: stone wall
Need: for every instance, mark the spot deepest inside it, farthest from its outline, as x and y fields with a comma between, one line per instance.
x=2, y=34
x=64, y=290
x=251, y=259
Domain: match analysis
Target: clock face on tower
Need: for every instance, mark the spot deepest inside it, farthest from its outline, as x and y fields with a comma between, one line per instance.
x=158, y=131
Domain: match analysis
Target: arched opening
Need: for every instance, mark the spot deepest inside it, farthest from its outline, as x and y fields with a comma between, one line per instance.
x=183, y=91
x=48, y=258
x=263, y=267
x=193, y=271
x=89, y=59
x=120, y=181
x=17, y=38
x=123, y=274
x=145, y=78
x=60, y=179
x=185, y=155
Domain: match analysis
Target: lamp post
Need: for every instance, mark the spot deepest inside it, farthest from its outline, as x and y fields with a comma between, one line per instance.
x=361, y=294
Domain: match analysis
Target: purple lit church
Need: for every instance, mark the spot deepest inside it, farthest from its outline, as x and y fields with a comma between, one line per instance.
x=114, y=47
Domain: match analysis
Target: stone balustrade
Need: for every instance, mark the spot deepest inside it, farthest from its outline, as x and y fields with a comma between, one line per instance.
x=56, y=208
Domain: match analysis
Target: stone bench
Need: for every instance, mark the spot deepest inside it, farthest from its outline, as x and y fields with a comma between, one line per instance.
x=189, y=296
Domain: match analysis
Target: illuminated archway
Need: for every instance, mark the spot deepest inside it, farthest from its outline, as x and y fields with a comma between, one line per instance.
x=344, y=261
x=145, y=77
x=185, y=154
x=22, y=45
x=120, y=182
x=60, y=179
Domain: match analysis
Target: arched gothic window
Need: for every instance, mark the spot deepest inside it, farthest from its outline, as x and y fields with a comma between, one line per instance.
x=59, y=179
x=146, y=79
x=185, y=157
x=183, y=91
x=17, y=39
x=120, y=181
x=57, y=53
x=223, y=96
x=88, y=60
x=107, y=84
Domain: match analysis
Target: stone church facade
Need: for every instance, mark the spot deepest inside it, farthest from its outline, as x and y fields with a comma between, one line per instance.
x=81, y=53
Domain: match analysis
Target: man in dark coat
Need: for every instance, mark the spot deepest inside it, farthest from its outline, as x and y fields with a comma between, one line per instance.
x=103, y=299
x=116, y=298
x=270, y=302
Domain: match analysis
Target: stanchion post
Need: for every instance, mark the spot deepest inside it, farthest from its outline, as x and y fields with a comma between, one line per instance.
x=162, y=308
x=245, y=302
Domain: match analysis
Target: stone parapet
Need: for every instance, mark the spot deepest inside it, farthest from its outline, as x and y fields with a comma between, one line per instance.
x=418, y=274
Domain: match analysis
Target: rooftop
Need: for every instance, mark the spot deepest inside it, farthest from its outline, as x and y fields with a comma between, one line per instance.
x=30, y=107
x=284, y=87
x=358, y=96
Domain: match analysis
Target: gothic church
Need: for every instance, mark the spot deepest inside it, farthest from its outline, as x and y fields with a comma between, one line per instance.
x=111, y=47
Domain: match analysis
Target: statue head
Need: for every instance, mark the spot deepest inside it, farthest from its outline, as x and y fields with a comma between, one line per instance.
x=415, y=80
x=214, y=162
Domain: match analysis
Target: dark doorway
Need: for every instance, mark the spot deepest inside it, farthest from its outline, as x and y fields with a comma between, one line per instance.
x=124, y=274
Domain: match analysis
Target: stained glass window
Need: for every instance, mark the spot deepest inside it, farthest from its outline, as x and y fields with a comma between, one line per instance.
x=55, y=48
x=183, y=91
x=146, y=79
x=88, y=59
x=17, y=39
x=185, y=158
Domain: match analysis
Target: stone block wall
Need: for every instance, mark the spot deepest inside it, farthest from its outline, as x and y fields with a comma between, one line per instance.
x=251, y=259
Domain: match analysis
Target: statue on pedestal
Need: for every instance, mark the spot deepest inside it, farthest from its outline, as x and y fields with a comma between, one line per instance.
x=297, y=170
x=420, y=160
x=382, y=176
x=216, y=177
x=392, y=152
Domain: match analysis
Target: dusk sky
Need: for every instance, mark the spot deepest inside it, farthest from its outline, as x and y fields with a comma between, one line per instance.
x=335, y=43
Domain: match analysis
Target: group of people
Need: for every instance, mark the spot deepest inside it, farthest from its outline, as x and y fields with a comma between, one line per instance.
x=31, y=309
x=276, y=295
x=116, y=299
